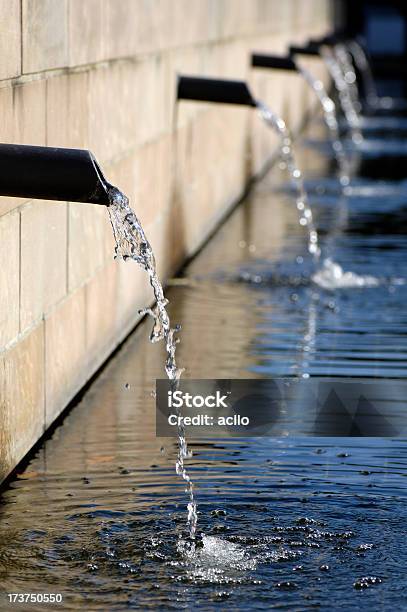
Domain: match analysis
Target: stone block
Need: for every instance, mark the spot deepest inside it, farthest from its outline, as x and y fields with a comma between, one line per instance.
x=43, y=259
x=68, y=111
x=66, y=360
x=21, y=398
x=45, y=34
x=10, y=41
x=86, y=31
x=9, y=277
x=88, y=225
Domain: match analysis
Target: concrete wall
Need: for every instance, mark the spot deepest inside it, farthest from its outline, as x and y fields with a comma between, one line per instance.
x=101, y=74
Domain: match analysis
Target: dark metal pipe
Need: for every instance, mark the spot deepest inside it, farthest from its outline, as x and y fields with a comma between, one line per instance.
x=49, y=173
x=278, y=62
x=310, y=49
x=223, y=91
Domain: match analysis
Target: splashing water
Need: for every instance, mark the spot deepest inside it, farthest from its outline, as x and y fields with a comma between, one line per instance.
x=332, y=276
x=305, y=213
x=345, y=98
x=132, y=243
x=216, y=561
x=329, y=111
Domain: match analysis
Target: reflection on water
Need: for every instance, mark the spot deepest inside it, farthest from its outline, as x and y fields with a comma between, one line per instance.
x=293, y=523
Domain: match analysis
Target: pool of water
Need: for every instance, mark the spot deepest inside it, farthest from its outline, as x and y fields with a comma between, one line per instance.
x=98, y=514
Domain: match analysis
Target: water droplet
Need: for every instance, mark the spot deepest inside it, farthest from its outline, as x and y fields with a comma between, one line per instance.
x=286, y=585
x=218, y=512
x=366, y=581
x=92, y=567
x=364, y=547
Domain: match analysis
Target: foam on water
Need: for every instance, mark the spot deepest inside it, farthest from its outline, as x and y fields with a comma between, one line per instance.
x=217, y=554
x=332, y=276
x=233, y=561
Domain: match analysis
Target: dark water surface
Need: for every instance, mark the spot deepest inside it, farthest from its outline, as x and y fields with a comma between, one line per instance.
x=294, y=524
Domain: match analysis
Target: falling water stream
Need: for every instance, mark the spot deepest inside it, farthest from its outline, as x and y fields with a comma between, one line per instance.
x=329, y=112
x=344, y=59
x=287, y=158
x=330, y=274
x=372, y=98
x=345, y=97
x=363, y=65
x=132, y=243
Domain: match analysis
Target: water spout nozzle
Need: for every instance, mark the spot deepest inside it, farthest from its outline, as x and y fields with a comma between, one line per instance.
x=277, y=62
x=50, y=173
x=310, y=49
x=221, y=91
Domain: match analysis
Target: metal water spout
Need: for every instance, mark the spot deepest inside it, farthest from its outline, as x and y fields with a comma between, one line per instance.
x=50, y=173
x=221, y=91
x=309, y=49
x=276, y=62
